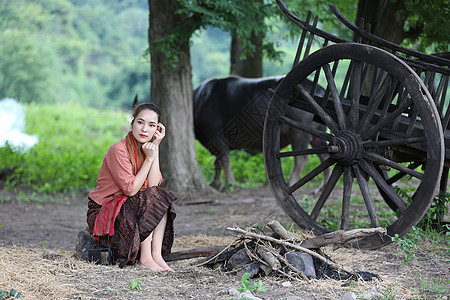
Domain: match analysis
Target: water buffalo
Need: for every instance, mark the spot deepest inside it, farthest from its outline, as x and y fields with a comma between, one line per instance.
x=229, y=114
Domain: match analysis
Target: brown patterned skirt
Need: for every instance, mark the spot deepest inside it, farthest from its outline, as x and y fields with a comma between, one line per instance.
x=138, y=217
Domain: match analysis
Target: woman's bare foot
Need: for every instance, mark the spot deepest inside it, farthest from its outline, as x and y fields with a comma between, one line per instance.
x=168, y=268
x=152, y=265
x=160, y=261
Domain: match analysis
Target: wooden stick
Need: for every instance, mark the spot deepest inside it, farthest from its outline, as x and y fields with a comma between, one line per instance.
x=194, y=253
x=280, y=230
x=284, y=260
x=210, y=259
x=293, y=246
x=268, y=257
x=340, y=237
x=253, y=256
x=264, y=265
x=288, y=275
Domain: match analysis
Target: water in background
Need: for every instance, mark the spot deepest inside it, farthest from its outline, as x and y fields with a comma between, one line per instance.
x=12, y=125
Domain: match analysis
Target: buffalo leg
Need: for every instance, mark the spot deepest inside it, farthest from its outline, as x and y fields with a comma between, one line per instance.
x=222, y=162
x=226, y=166
x=217, y=181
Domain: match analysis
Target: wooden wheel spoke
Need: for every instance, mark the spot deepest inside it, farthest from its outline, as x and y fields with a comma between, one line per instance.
x=374, y=101
x=365, y=191
x=348, y=182
x=393, y=142
x=386, y=121
x=307, y=129
x=382, y=160
x=355, y=90
x=400, y=175
x=379, y=180
x=327, y=189
x=308, y=177
x=319, y=111
x=319, y=150
x=335, y=97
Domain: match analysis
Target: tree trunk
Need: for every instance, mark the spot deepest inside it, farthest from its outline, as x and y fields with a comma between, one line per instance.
x=252, y=65
x=383, y=17
x=171, y=90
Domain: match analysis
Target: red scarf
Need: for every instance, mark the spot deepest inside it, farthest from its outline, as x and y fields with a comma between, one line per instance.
x=104, y=223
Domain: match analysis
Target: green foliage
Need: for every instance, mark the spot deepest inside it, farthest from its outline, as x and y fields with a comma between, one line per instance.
x=408, y=244
x=136, y=285
x=44, y=245
x=421, y=245
x=10, y=157
x=248, y=169
x=92, y=52
x=433, y=217
x=438, y=209
x=390, y=293
x=25, y=59
x=11, y=294
x=210, y=48
x=328, y=22
x=432, y=19
x=205, y=161
x=412, y=243
x=72, y=142
x=62, y=51
x=252, y=287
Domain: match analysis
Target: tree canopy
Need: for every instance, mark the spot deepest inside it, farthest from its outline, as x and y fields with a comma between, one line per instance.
x=93, y=52
x=84, y=51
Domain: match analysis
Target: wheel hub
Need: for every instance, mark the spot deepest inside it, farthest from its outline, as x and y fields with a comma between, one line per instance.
x=346, y=147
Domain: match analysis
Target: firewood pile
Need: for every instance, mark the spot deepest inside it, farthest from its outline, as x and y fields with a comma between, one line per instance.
x=281, y=252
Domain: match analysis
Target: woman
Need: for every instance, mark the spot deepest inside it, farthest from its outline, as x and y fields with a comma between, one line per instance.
x=128, y=210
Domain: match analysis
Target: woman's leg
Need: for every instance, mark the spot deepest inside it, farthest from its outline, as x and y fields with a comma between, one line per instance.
x=156, y=246
x=146, y=258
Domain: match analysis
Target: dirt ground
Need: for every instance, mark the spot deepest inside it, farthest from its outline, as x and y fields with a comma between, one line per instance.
x=37, y=243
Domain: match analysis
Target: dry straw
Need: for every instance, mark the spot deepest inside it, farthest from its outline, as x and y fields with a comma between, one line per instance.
x=45, y=274
x=38, y=274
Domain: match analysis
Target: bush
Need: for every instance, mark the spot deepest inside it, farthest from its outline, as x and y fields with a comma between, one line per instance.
x=72, y=142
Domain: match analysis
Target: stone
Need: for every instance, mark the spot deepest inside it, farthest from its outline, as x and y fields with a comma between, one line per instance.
x=252, y=269
x=348, y=296
x=302, y=262
x=238, y=259
x=292, y=298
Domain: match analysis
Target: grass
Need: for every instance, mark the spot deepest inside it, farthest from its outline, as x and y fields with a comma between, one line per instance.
x=422, y=245
x=72, y=142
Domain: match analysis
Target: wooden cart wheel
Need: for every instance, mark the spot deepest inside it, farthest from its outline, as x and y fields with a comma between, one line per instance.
x=383, y=133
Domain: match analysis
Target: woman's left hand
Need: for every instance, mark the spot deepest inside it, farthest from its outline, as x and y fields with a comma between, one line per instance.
x=159, y=134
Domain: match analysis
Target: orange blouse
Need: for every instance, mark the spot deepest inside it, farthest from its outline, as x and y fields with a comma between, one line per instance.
x=115, y=174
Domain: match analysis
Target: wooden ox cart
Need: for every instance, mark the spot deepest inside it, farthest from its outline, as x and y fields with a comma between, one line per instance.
x=386, y=113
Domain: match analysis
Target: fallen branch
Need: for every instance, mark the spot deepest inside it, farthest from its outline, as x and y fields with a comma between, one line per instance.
x=279, y=229
x=284, y=260
x=340, y=237
x=194, y=253
x=225, y=252
x=268, y=257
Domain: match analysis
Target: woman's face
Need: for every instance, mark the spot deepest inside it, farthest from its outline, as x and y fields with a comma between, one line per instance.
x=145, y=125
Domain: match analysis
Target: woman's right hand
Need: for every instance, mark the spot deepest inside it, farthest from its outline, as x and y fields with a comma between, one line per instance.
x=149, y=150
